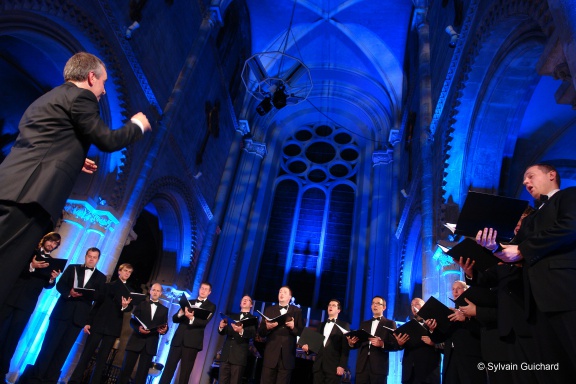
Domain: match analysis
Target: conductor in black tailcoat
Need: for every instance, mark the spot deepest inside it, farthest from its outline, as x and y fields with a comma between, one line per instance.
x=234, y=354
x=68, y=317
x=332, y=358
x=143, y=344
x=373, y=360
x=188, y=339
x=280, y=348
x=39, y=173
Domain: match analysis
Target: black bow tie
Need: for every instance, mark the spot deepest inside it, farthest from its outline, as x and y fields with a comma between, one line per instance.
x=538, y=202
x=200, y=301
x=376, y=319
x=88, y=268
x=244, y=313
x=154, y=302
x=283, y=307
x=331, y=321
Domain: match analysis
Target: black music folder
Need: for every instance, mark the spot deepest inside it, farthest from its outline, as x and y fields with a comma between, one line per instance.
x=469, y=249
x=482, y=210
x=361, y=334
x=246, y=322
x=413, y=329
x=481, y=296
x=314, y=339
x=434, y=309
x=281, y=320
x=87, y=293
x=53, y=265
x=200, y=313
x=155, y=328
x=137, y=298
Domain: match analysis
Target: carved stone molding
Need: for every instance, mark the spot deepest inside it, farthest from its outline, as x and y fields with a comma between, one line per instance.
x=382, y=157
x=88, y=216
x=256, y=148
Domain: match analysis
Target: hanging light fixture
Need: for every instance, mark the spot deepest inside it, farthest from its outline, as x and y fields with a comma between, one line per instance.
x=276, y=78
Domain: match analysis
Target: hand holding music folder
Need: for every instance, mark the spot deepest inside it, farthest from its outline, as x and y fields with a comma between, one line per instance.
x=151, y=329
x=281, y=320
x=312, y=338
x=87, y=293
x=361, y=334
x=246, y=322
x=53, y=265
x=200, y=313
x=469, y=249
x=481, y=296
x=482, y=210
x=413, y=329
x=434, y=309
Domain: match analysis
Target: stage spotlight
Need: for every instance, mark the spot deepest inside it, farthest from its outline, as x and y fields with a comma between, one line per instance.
x=279, y=97
x=264, y=107
x=453, y=36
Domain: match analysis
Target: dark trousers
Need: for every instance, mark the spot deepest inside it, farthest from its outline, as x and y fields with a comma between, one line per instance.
x=144, y=363
x=21, y=228
x=95, y=339
x=58, y=341
x=556, y=339
x=321, y=377
x=12, y=323
x=277, y=375
x=230, y=373
x=463, y=368
x=368, y=376
x=186, y=357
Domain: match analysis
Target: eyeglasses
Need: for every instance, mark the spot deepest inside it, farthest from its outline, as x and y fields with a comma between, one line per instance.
x=377, y=303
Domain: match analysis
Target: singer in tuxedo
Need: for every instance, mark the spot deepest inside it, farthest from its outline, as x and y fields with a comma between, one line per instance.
x=235, y=350
x=104, y=325
x=188, y=339
x=462, y=351
x=546, y=245
x=39, y=173
x=21, y=301
x=280, y=348
x=372, y=360
x=143, y=344
x=332, y=358
x=421, y=359
x=68, y=317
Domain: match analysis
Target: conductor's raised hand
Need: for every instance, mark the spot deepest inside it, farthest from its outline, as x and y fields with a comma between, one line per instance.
x=89, y=166
x=144, y=120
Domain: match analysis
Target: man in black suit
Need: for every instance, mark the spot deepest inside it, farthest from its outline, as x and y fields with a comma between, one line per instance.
x=462, y=352
x=546, y=244
x=188, y=339
x=68, y=317
x=21, y=301
x=41, y=169
x=104, y=325
x=143, y=344
x=332, y=358
x=372, y=360
x=421, y=359
x=234, y=354
x=280, y=350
